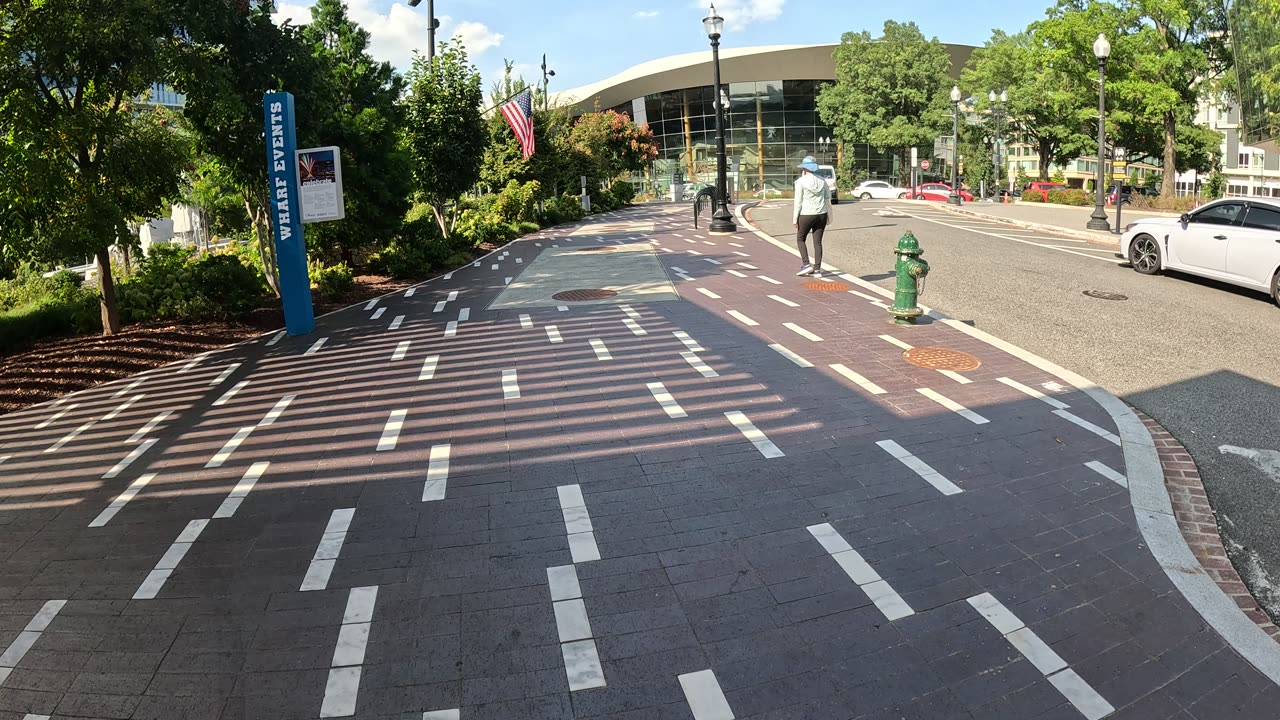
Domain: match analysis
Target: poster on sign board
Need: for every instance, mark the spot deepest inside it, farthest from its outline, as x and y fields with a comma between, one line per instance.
x=320, y=182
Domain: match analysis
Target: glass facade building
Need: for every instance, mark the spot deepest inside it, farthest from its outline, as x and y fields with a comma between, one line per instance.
x=1255, y=38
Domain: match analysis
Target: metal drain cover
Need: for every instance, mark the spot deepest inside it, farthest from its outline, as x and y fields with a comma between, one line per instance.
x=584, y=295
x=824, y=286
x=936, y=358
x=1103, y=295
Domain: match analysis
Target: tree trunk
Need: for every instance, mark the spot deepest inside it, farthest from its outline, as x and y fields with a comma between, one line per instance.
x=440, y=220
x=1170, y=155
x=904, y=167
x=266, y=248
x=110, y=316
x=1045, y=152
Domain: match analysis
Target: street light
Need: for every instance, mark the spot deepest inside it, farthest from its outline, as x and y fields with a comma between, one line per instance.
x=546, y=76
x=997, y=111
x=721, y=220
x=1098, y=220
x=432, y=25
x=954, y=197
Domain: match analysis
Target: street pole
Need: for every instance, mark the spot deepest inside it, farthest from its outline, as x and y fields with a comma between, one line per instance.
x=954, y=197
x=432, y=24
x=546, y=76
x=721, y=219
x=1098, y=220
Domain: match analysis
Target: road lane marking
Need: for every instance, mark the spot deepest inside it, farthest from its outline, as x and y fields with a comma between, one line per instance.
x=706, y=699
x=378, y=313
x=630, y=312
x=697, y=364
x=226, y=396
x=754, y=435
x=602, y=351
x=953, y=406
x=371, y=304
x=128, y=460
x=221, y=457
x=510, y=385
x=1108, y=473
x=1033, y=393
x=410, y=292
x=395, y=323
x=464, y=314
x=742, y=318
x=708, y=293
x=151, y=425
x=1096, y=430
x=783, y=300
x=327, y=552
x=127, y=388
x=453, y=295
x=343, y=686
x=451, y=329
x=577, y=523
x=57, y=416
x=784, y=352
x=437, y=473
x=885, y=598
x=526, y=322
x=429, y=368
x=665, y=399
x=122, y=407
x=633, y=327
x=70, y=436
x=225, y=374
x=401, y=350
x=748, y=266
x=562, y=308
x=1111, y=260
x=315, y=348
x=121, y=500
x=27, y=639
x=735, y=273
x=155, y=580
x=440, y=306
x=553, y=334
x=919, y=467
x=801, y=332
x=859, y=380
x=276, y=338
x=896, y=341
x=769, y=280
x=276, y=411
x=233, y=500
x=391, y=431
x=689, y=342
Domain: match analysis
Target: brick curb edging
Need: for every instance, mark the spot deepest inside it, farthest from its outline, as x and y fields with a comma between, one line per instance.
x=1097, y=238
x=1199, y=525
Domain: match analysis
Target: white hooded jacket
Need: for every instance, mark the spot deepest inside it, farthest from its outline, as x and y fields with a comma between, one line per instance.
x=812, y=196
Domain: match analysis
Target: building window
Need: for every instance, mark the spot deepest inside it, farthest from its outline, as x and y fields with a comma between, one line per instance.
x=1243, y=160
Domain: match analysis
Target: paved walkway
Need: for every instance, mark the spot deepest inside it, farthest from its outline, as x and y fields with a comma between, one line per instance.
x=739, y=504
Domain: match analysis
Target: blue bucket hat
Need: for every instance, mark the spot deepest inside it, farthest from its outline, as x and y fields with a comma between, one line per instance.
x=809, y=163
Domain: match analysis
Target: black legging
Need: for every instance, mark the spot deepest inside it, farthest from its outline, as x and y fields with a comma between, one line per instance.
x=815, y=224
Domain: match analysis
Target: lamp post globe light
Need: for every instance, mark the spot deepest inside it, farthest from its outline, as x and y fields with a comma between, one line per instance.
x=546, y=78
x=954, y=197
x=1098, y=220
x=721, y=221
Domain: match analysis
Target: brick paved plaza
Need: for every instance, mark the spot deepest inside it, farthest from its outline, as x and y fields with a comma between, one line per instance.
x=720, y=494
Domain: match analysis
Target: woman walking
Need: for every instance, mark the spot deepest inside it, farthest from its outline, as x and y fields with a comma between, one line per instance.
x=813, y=201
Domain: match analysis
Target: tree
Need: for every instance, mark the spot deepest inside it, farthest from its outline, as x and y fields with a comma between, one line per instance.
x=890, y=92
x=77, y=162
x=613, y=144
x=362, y=116
x=444, y=130
x=1044, y=105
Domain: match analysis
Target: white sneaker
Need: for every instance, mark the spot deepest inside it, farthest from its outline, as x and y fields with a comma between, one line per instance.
x=818, y=274
x=806, y=269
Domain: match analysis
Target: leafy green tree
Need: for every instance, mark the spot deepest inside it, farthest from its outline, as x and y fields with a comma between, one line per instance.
x=444, y=130
x=890, y=92
x=362, y=116
x=76, y=161
x=613, y=144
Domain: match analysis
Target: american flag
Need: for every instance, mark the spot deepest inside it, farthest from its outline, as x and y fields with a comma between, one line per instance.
x=519, y=115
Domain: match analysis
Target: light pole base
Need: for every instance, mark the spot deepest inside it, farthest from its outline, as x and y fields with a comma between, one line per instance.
x=722, y=222
x=1098, y=221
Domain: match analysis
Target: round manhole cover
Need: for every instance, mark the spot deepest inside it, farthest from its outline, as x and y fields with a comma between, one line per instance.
x=936, y=358
x=584, y=295
x=824, y=286
x=1103, y=295
x=595, y=249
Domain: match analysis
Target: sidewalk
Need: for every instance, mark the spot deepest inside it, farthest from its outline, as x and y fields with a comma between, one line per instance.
x=478, y=500
x=1059, y=219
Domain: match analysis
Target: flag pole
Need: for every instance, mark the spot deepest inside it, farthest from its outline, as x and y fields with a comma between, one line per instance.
x=504, y=100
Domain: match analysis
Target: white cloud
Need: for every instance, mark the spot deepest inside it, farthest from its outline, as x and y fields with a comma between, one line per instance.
x=738, y=14
x=646, y=14
x=396, y=32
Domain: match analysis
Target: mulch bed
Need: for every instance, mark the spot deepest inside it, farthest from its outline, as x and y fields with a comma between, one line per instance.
x=55, y=368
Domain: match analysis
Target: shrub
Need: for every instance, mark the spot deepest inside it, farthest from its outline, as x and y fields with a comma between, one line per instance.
x=623, y=191
x=563, y=209
x=524, y=228
x=33, y=307
x=1068, y=197
x=516, y=202
x=1178, y=204
x=1032, y=196
x=418, y=250
x=331, y=282
x=171, y=284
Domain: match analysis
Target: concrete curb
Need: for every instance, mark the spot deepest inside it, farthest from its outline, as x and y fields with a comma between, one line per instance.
x=1092, y=236
x=1152, y=506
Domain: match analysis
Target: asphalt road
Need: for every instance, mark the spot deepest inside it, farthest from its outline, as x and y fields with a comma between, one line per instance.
x=1198, y=356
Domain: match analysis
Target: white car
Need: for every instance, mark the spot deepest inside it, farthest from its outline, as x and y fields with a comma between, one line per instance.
x=1236, y=240
x=879, y=190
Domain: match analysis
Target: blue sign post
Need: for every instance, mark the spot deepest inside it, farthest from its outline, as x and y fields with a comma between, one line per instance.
x=291, y=250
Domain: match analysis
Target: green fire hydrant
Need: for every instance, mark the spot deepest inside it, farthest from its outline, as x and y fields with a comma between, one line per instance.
x=911, y=270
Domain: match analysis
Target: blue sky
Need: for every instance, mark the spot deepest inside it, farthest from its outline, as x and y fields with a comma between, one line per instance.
x=586, y=41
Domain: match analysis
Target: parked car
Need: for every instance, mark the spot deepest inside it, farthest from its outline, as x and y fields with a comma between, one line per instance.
x=1043, y=188
x=1235, y=240
x=938, y=192
x=828, y=173
x=878, y=190
x=1122, y=194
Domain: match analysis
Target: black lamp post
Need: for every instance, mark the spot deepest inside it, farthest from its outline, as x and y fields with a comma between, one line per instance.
x=997, y=111
x=546, y=78
x=1098, y=220
x=721, y=220
x=954, y=197
x=432, y=24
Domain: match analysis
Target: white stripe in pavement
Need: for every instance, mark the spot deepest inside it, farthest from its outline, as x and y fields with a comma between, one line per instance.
x=276, y=411
x=276, y=338
x=679, y=269
x=1033, y=393
x=453, y=714
x=226, y=396
x=577, y=523
x=451, y=328
x=859, y=380
x=327, y=552
x=693, y=252
x=563, y=581
x=707, y=242
x=742, y=318
x=691, y=242
x=225, y=453
x=26, y=639
x=33, y=716
x=571, y=620
x=371, y=304
x=494, y=266
x=429, y=368
x=956, y=376
x=391, y=431
x=70, y=436
x=738, y=245
x=735, y=273
x=708, y=293
x=225, y=374
x=683, y=276
x=440, y=306
x=740, y=254
x=237, y=495
x=784, y=352
x=410, y=292
x=665, y=399
x=437, y=473
x=706, y=699
x=464, y=314
x=630, y=312
x=519, y=261
x=634, y=327
x=562, y=308
x=1107, y=473
x=401, y=350
x=553, y=334
x=953, y=406
x=128, y=460
x=748, y=266
x=343, y=686
x=784, y=301
x=582, y=665
x=920, y=467
x=669, y=250
x=801, y=332
x=769, y=280
x=57, y=416
x=121, y=500
x=193, y=362
x=753, y=434
x=862, y=574
x=1096, y=430
x=689, y=342
x=1078, y=692
x=316, y=347
x=151, y=425
x=713, y=261
x=395, y=323
x=3, y=458
x=699, y=365
x=510, y=385
x=526, y=322
x=453, y=295
x=896, y=341
x=164, y=568
x=125, y=390
x=448, y=275
x=360, y=603
x=602, y=351
x=122, y=407
x=378, y=313
x=863, y=295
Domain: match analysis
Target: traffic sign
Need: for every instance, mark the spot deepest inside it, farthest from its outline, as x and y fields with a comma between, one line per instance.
x=914, y=157
x=924, y=164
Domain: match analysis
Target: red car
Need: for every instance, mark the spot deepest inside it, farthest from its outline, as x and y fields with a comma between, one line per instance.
x=1043, y=188
x=939, y=192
